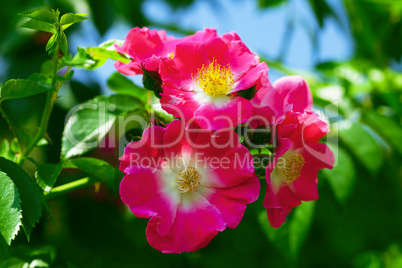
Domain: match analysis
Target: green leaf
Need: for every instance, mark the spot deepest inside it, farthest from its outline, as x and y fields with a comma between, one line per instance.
x=63, y=43
x=10, y=209
x=39, y=25
x=152, y=81
x=31, y=196
x=5, y=150
x=99, y=53
x=24, y=116
x=270, y=3
x=40, y=14
x=387, y=128
x=342, y=177
x=69, y=19
x=299, y=227
x=90, y=123
x=363, y=145
x=95, y=168
x=289, y=238
x=21, y=88
x=121, y=84
x=247, y=93
x=47, y=174
x=52, y=43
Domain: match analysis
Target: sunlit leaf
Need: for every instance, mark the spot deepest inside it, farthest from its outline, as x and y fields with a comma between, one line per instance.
x=63, y=43
x=69, y=19
x=39, y=25
x=40, y=14
x=90, y=123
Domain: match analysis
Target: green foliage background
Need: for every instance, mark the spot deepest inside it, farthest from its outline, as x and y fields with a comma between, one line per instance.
x=356, y=222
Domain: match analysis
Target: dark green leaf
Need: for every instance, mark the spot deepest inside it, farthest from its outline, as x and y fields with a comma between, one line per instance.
x=10, y=209
x=270, y=3
x=31, y=196
x=69, y=19
x=247, y=93
x=299, y=227
x=342, y=177
x=387, y=127
x=90, y=123
x=121, y=84
x=39, y=25
x=363, y=145
x=95, y=168
x=21, y=88
x=291, y=235
x=46, y=175
x=63, y=43
x=152, y=81
x=41, y=14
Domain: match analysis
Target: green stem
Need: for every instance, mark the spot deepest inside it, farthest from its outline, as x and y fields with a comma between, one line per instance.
x=65, y=188
x=51, y=96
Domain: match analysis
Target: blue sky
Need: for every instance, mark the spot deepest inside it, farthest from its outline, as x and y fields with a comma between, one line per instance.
x=262, y=30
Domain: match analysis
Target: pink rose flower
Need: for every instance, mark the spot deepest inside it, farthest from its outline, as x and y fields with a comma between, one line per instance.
x=272, y=102
x=147, y=47
x=191, y=183
x=292, y=176
x=202, y=82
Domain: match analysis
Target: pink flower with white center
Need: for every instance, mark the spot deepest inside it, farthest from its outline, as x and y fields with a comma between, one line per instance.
x=202, y=82
x=292, y=177
x=272, y=102
x=147, y=47
x=191, y=183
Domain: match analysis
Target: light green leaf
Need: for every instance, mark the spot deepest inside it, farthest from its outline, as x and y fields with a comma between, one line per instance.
x=40, y=14
x=69, y=19
x=10, y=209
x=90, y=123
x=5, y=150
x=31, y=196
x=95, y=168
x=21, y=88
x=363, y=145
x=99, y=53
x=121, y=84
x=52, y=43
x=342, y=177
x=63, y=43
x=47, y=174
x=39, y=25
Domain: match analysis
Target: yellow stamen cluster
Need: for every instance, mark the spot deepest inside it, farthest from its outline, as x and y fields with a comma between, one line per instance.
x=216, y=80
x=171, y=55
x=188, y=179
x=292, y=167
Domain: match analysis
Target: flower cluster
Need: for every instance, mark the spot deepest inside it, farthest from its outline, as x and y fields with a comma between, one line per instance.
x=193, y=177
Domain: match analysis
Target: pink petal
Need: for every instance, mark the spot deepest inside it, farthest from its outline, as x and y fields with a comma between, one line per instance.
x=212, y=116
x=232, y=201
x=142, y=191
x=251, y=77
x=196, y=51
x=193, y=228
x=149, y=147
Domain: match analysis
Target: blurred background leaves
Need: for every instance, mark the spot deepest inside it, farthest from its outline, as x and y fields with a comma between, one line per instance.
x=355, y=223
